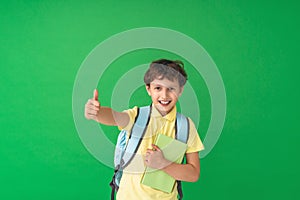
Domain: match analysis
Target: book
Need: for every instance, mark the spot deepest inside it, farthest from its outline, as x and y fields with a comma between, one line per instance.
x=174, y=151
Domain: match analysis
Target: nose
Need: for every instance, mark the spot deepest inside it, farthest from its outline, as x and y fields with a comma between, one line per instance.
x=164, y=93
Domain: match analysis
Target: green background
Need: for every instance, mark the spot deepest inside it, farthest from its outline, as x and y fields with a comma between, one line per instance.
x=255, y=45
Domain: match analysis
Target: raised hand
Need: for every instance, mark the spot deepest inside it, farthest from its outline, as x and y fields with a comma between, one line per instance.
x=92, y=107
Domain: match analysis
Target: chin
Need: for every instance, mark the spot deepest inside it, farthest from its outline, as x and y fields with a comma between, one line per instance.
x=165, y=110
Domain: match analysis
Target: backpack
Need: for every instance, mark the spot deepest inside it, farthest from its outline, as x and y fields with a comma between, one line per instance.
x=126, y=149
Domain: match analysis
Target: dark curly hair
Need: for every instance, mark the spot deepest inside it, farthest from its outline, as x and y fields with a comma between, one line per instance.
x=164, y=68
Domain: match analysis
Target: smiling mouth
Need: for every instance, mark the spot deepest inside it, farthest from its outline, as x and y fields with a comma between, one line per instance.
x=164, y=103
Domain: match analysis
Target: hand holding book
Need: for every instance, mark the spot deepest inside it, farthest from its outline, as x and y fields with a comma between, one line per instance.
x=155, y=158
x=165, y=151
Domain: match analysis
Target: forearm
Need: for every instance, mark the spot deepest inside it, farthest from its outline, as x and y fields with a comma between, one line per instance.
x=183, y=172
x=111, y=117
x=106, y=116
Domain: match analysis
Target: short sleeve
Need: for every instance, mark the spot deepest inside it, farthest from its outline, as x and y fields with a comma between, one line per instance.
x=132, y=114
x=194, y=142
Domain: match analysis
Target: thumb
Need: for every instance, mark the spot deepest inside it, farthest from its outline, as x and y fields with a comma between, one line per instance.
x=95, y=95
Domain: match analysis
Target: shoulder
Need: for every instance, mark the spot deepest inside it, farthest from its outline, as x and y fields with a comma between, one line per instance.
x=132, y=112
x=194, y=141
x=191, y=124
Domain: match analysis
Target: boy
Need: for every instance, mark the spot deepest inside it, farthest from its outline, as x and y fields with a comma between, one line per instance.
x=164, y=80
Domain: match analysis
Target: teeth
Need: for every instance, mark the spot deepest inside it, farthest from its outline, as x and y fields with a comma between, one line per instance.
x=164, y=102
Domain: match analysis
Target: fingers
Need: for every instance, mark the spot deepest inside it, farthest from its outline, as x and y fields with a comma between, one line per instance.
x=154, y=158
x=149, y=151
x=93, y=102
x=91, y=112
x=152, y=151
x=148, y=157
x=156, y=148
x=92, y=108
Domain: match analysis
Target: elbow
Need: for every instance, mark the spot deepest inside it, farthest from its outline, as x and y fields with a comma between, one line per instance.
x=195, y=178
x=196, y=175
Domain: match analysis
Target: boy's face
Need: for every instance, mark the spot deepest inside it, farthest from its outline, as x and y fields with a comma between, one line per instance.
x=164, y=94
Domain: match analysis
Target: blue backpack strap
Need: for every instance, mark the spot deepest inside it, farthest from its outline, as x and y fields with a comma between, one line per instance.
x=182, y=128
x=137, y=133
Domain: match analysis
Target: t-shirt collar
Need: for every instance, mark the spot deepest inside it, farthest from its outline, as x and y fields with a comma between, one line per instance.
x=170, y=116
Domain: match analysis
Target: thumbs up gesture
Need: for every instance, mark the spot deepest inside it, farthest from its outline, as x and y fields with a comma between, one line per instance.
x=92, y=107
x=95, y=95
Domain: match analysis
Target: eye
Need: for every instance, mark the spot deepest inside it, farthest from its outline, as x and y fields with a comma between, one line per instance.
x=171, y=89
x=157, y=88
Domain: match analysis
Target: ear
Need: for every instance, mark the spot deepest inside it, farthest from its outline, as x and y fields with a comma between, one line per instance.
x=148, y=89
